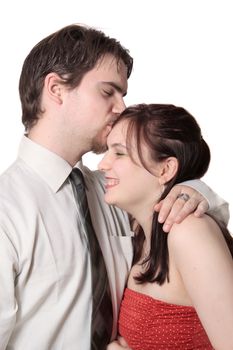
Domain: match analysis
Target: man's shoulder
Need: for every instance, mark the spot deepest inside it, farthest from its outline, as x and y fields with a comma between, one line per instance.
x=9, y=174
x=93, y=176
x=92, y=173
x=13, y=171
x=15, y=180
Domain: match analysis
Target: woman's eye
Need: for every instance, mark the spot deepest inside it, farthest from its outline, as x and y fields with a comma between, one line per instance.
x=120, y=154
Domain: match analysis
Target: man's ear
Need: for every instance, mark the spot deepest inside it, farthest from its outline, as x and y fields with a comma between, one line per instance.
x=168, y=169
x=54, y=87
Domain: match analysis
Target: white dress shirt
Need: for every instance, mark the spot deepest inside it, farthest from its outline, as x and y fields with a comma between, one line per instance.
x=45, y=277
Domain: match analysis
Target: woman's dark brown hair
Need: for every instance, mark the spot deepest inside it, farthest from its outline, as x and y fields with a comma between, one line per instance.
x=167, y=131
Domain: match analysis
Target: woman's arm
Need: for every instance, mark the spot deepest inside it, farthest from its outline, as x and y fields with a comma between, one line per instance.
x=206, y=268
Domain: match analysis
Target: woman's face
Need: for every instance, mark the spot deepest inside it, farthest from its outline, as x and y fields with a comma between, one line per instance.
x=128, y=184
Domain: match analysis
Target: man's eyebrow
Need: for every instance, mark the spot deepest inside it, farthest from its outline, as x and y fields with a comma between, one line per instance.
x=116, y=87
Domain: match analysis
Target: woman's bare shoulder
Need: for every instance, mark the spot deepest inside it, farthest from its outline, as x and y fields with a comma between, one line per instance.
x=192, y=231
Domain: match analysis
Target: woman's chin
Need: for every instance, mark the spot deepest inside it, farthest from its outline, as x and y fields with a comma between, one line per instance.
x=111, y=201
x=108, y=199
x=117, y=205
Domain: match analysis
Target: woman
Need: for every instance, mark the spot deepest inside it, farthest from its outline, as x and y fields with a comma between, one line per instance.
x=180, y=289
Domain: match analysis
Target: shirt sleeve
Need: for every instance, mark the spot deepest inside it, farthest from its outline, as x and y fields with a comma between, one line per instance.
x=218, y=207
x=8, y=304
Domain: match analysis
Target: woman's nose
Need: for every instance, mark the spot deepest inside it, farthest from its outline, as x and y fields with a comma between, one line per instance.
x=102, y=164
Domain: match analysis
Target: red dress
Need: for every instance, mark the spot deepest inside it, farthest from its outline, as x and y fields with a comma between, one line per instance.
x=150, y=324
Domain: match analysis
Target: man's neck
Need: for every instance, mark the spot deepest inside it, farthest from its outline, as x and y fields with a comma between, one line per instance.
x=54, y=144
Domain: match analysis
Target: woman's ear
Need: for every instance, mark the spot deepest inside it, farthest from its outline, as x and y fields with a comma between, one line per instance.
x=53, y=87
x=168, y=169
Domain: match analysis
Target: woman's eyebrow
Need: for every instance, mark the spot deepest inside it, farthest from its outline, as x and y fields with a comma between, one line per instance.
x=118, y=144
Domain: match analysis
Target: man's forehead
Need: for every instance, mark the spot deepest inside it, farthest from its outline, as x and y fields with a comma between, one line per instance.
x=110, y=62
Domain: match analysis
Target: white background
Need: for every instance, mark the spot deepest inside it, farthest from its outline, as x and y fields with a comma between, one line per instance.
x=182, y=53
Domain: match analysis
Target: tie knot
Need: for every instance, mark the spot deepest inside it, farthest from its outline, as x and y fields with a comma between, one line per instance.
x=77, y=177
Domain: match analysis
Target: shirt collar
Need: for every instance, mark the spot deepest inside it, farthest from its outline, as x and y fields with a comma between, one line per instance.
x=53, y=169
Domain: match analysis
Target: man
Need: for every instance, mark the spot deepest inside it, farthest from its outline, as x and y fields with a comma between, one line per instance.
x=71, y=88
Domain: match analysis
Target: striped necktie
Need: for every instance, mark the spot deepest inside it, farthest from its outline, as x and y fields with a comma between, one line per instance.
x=102, y=315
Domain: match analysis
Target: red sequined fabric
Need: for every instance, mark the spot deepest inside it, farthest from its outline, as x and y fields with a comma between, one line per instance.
x=149, y=324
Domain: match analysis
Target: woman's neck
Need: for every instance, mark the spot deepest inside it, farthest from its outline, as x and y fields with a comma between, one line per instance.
x=145, y=221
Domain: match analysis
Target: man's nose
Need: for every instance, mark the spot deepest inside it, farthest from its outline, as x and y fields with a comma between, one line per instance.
x=119, y=106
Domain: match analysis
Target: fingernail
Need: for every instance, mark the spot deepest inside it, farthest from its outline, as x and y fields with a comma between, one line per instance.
x=160, y=219
x=166, y=228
